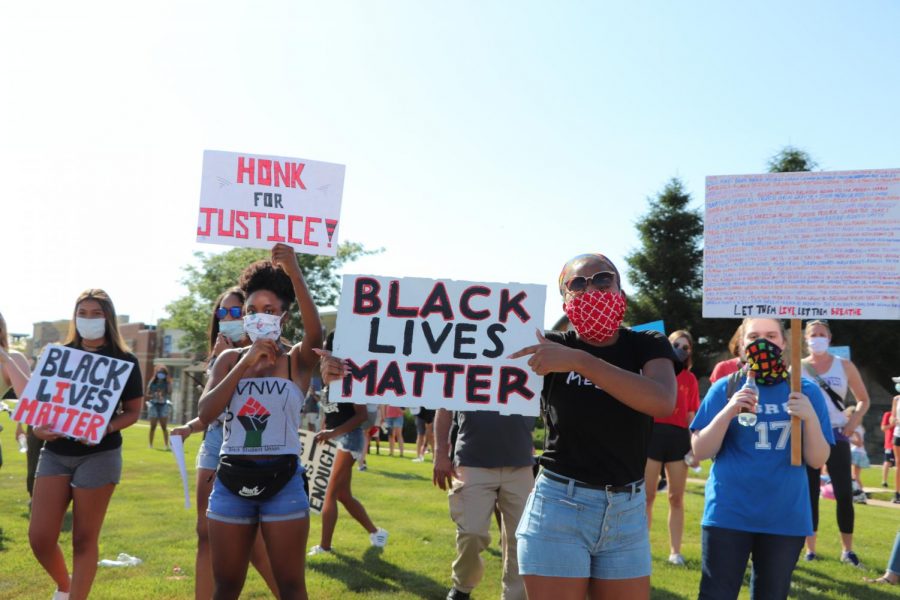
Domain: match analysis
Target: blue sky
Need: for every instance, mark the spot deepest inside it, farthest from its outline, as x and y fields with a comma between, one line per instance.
x=483, y=140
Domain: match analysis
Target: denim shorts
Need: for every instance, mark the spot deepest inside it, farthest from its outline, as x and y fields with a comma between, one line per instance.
x=393, y=422
x=158, y=410
x=351, y=442
x=87, y=471
x=569, y=531
x=208, y=455
x=288, y=504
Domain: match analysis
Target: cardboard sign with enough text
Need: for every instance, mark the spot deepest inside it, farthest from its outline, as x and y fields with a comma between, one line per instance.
x=807, y=245
x=438, y=343
x=318, y=459
x=74, y=392
x=254, y=201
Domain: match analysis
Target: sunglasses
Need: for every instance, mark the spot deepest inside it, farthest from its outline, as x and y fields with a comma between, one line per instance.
x=601, y=281
x=682, y=346
x=235, y=311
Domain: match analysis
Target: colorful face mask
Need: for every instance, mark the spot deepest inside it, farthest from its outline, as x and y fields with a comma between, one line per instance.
x=233, y=330
x=262, y=326
x=765, y=362
x=596, y=315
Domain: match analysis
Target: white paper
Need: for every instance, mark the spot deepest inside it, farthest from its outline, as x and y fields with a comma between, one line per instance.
x=177, y=444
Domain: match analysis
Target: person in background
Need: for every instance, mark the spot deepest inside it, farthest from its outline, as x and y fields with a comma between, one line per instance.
x=895, y=422
x=370, y=427
x=309, y=416
x=73, y=472
x=393, y=422
x=225, y=331
x=670, y=445
x=343, y=425
x=583, y=531
x=757, y=504
x=834, y=376
x=158, y=403
x=859, y=460
x=889, y=458
x=892, y=571
x=424, y=433
x=731, y=365
x=14, y=374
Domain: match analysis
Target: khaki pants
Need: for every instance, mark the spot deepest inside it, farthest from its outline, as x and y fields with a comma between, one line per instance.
x=472, y=500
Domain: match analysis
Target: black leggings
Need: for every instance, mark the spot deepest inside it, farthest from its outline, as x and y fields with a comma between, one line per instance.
x=842, y=483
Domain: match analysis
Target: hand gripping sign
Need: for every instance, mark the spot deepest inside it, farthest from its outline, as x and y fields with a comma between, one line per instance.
x=438, y=343
x=74, y=392
x=254, y=201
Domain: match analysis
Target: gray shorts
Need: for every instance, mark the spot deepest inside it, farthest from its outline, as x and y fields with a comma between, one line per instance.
x=88, y=471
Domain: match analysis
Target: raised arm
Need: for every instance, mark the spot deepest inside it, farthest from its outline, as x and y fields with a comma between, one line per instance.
x=285, y=257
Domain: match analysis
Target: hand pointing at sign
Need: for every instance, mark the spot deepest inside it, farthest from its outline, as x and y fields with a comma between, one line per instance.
x=551, y=357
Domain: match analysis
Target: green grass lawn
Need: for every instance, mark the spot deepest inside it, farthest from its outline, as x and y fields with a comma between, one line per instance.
x=147, y=519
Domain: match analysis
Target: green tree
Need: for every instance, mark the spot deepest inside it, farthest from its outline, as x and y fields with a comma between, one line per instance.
x=218, y=272
x=666, y=270
x=791, y=160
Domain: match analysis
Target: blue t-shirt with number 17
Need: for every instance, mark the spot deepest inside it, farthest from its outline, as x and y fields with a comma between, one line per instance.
x=752, y=485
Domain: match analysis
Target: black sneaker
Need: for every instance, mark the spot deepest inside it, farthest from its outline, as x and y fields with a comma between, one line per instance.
x=851, y=558
x=455, y=594
x=896, y=499
x=663, y=484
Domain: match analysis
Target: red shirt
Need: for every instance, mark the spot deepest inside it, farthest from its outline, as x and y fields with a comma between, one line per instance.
x=391, y=412
x=688, y=400
x=724, y=369
x=889, y=434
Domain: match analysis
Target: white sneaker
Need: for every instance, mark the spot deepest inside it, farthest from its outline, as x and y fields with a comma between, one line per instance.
x=379, y=538
x=676, y=559
x=317, y=549
x=419, y=459
x=58, y=595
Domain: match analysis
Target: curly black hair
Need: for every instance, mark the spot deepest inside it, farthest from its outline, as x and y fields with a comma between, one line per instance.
x=263, y=275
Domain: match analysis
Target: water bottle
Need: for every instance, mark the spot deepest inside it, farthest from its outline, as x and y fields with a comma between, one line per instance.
x=747, y=418
x=689, y=461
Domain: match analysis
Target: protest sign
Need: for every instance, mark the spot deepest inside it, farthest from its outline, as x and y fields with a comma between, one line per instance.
x=810, y=245
x=802, y=245
x=254, y=201
x=651, y=326
x=438, y=343
x=318, y=460
x=177, y=444
x=74, y=392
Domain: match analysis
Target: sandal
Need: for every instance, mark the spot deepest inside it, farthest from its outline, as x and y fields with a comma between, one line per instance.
x=880, y=580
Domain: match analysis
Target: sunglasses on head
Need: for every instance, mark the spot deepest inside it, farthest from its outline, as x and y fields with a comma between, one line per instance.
x=601, y=281
x=234, y=311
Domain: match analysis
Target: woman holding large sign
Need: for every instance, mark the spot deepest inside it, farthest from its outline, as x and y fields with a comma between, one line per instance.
x=835, y=376
x=584, y=528
x=259, y=483
x=757, y=504
x=70, y=470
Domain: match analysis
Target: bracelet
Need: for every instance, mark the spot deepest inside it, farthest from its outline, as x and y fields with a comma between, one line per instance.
x=189, y=426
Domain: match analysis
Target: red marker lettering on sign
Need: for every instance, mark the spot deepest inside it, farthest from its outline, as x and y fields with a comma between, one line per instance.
x=260, y=171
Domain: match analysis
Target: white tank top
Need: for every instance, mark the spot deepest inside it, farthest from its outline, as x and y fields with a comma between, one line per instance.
x=836, y=378
x=263, y=417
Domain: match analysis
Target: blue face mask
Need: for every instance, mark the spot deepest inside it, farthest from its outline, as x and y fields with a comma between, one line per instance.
x=160, y=375
x=897, y=387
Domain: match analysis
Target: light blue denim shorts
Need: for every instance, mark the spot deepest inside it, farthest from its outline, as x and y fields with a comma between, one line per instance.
x=569, y=531
x=351, y=442
x=288, y=504
x=208, y=455
x=393, y=422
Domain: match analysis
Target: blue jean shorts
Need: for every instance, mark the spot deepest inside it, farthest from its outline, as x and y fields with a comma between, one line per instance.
x=351, y=442
x=569, y=531
x=288, y=504
x=158, y=410
x=393, y=422
x=208, y=455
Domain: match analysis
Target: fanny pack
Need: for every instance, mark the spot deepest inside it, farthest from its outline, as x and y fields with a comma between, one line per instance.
x=256, y=480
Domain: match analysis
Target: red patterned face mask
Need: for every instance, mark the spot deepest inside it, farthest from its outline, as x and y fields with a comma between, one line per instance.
x=596, y=315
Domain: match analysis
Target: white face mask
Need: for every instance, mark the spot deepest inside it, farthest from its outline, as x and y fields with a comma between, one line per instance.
x=90, y=329
x=233, y=330
x=262, y=326
x=817, y=345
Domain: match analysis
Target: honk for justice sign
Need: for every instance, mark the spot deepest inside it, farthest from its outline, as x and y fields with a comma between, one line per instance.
x=438, y=343
x=74, y=392
x=255, y=201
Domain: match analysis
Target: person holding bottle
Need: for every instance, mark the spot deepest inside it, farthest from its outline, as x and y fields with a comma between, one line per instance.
x=670, y=445
x=756, y=502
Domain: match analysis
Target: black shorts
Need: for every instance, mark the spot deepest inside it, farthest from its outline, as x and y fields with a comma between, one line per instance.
x=669, y=443
x=889, y=457
x=896, y=441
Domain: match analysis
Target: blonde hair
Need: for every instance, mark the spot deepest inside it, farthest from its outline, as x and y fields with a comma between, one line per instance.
x=811, y=324
x=112, y=335
x=684, y=333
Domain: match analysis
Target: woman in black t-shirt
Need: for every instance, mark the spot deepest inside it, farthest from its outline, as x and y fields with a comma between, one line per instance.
x=72, y=471
x=584, y=529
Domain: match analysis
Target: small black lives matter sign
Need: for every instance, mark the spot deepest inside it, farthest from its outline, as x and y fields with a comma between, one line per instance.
x=438, y=343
